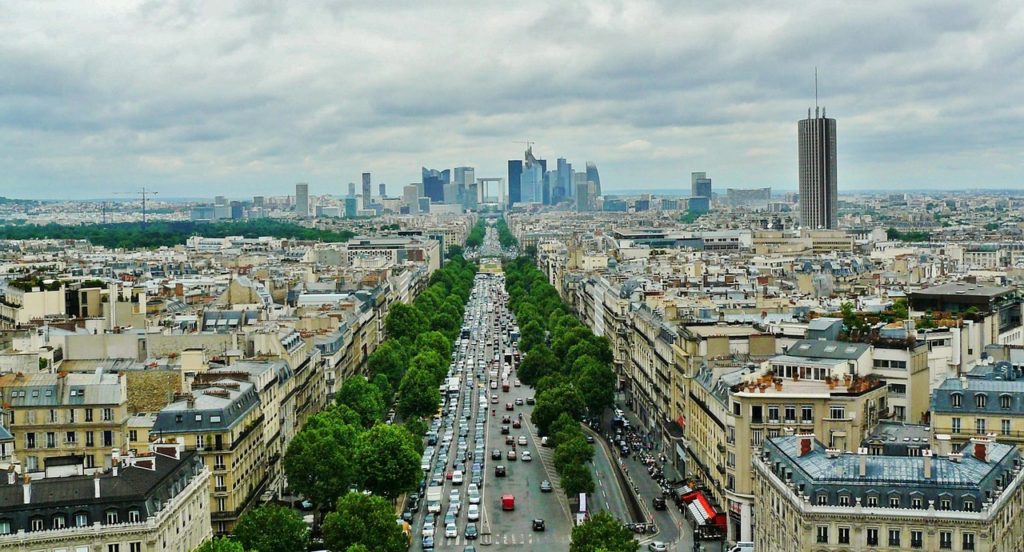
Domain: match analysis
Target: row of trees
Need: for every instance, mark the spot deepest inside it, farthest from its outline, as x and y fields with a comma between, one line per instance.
x=169, y=233
x=346, y=449
x=476, y=234
x=505, y=237
x=568, y=365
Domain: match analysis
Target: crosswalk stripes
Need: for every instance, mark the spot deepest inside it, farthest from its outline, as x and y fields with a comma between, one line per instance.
x=505, y=539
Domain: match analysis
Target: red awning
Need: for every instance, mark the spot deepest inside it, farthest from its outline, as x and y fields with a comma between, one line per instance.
x=702, y=510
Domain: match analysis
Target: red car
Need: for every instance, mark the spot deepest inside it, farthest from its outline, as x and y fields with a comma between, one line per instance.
x=449, y=475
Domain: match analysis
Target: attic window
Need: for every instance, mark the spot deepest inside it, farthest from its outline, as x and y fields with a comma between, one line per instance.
x=215, y=419
x=199, y=417
x=851, y=349
x=830, y=349
x=74, y=392
x=804, y=347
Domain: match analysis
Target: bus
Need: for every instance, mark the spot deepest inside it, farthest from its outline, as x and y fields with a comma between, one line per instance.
x=453, y=386
x=582, y=514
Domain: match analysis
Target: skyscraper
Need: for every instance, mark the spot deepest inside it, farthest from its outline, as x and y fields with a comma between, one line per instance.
x=366, y=190
x=351, y=189
x=410, y=197
x=434, y=182
x=531, y=188
x=302, y=200
x=515, y=175
x=818, y=182
x=561, y=188
x=592, y=176
x=582, y=191
x=700, y=185
x=383, y=190
x=464, y=177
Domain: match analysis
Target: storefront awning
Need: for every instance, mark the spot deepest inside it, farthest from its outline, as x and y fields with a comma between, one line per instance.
x=697, y=513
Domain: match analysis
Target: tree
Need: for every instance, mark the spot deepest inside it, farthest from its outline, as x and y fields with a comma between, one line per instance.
x=388, y=461
x=434, y=341
x=444, y=323
x=432, y=363
x=900, y=309
x=220, y=544
x=454, y=251
x=532, y=336
x=363, y=520
x=602, y=531
x=405, y=322
x=563, y=429
x=572, y=451
x=553, y=402
x=596, y=382
x=319, y=461
x=272, y=528
x=363, y=397
x=390, y=359
x=576, y=479
x=537, y=364
x=564, y=342
x=418, y=394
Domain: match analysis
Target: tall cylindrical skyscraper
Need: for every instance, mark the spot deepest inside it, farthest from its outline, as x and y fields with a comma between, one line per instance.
x=818, y=182
x=302, y=200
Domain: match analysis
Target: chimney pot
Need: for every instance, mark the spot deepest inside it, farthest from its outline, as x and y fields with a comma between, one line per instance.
x=806, y=444
x=11, y=475
x=96, y=484
x=26, y=487
x=927, y=455
x=862, y=452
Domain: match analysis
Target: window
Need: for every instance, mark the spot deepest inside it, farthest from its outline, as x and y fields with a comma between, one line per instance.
x=30, y=440
x=88, y=414
x=221, y=505
x=872, y=536
x=822, y=499
x=735, y=409
x=837, y=412
x=980, y=400
x=108, y=415
x=871, y=501
x=755, y=414
x=1004, y=426
x=968, y=541
x=108, y=438
x=894, y=537
x=946, y=540
x=89, y=440
x=214, y=419
x=71, y=415
x=945, y=504
x=979, y=425
x=133, y=435
x=844, y=535
x=844, y=500
x=36, y=523
x=90, y=461
x=133, y=516
x=968, y=505
x=956, y=425
x=51, y=439
x=1005, y=402
x=135, y=547
x=53, y=416
x=807, y=413
x=916, y=539
x=773, y=414
x=81, y=519
x=113, y=548
x=956, y=399
x=916, y=503
x=790, y=413
x=5, y=527
x=111, y=517
x=70, y=437
x=823, y=534
x=59, y=522
x=894, y=502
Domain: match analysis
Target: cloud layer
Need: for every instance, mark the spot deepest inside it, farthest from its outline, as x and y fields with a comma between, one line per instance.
x=197, y=97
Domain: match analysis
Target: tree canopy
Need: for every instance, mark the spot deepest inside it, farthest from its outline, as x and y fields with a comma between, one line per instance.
x=602, y=531
x=388, y=461
x=272, y=528
x=363, y=520
x=364, y=398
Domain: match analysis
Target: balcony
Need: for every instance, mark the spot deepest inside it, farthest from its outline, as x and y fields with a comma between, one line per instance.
x=220, y=489
x=219, y=467
x=721, y=447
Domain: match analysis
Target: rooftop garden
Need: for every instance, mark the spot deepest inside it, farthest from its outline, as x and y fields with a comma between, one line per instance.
x=28, y=283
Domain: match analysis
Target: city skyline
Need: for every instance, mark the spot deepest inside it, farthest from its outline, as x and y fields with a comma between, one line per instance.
x=645, y=106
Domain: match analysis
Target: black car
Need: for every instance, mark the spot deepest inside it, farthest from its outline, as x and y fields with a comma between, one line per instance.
x=590, y=439
x=659, y=503
x=530, y=400
x=495, y=454
x=407, y=516
x=413, y=503
x=538, y=524
x=504, y=430
x=499, y=471
x=545, y=486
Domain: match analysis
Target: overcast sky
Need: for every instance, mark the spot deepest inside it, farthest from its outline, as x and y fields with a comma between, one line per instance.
x=196, y=98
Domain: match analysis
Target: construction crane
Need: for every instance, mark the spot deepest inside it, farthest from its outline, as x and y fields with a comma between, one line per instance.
x=529, y=144
x=142, y=193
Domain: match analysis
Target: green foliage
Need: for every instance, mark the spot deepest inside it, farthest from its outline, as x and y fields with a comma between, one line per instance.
x=220, y=544
x=431, y=362
x=418, y=395
x=388, y=462
x=434, y=341
x=363, y=520
x=602, y=531
x=319, y=462
x=364, y=398
x=910, y=236
x=169, y=233
x=553, y=402
x=405, y=321
x=272, y=528
x=689, y=217
x=388, y=359
x=455, y=251
x=576, y=479
x=597, y=385
x=538, y=363
x=505, y=237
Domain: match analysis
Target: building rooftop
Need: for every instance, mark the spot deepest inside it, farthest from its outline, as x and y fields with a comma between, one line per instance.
x=838, y=350
x=962, y=288
x=215, y=407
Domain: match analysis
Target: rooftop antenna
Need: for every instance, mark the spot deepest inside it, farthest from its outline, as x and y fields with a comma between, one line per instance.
x=815, y=91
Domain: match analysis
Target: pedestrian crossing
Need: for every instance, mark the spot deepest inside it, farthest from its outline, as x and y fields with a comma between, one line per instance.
x=504, y=539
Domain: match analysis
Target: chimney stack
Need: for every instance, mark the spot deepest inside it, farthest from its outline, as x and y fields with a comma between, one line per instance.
x=806, y=444
x=96, y=484
x=943, y=444
x=927, y=455
x=11, y=475
x=981, y=446
x=963, y=382
x=26, y=486
x=862, y=453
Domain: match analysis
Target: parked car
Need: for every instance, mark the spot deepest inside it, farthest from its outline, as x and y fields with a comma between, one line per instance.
x=545, y=486
x=499, y=471
x=538, y=524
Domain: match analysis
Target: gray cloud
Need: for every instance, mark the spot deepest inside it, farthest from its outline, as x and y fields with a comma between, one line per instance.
x=243, y=98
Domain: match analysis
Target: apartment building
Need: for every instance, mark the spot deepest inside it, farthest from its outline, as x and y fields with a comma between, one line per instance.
x=28, y=299
x=814, y=498
x=153, y=502
x=990, y=398
x=58, y=415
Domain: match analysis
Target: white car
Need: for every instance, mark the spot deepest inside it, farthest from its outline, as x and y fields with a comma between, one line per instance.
x=522, y=440
x=451, y=531
x=428, y=529
x=474, y=494
x=526, y=456
x=457, y=478
x=473, y=514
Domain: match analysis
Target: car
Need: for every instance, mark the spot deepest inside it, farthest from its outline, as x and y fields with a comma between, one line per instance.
x=522, y=439
x=413, y=503
x=519, y=401
x=508, y=406
x=531, y=400
x=590, y=439
x=407, y=516
x=659, y=503
x=511, y=455
x=469, y=548
x=428, y=528
x=544, y=442
x=494, y=399
x=505, y=418
x=477, y=480
x=428, y=542
x=470, y=532
x=538, y=524
x=517, y=385
x=449, y=518
x=499, y=471
x=449, y=474
x=508, y=502
x=510, y=440
x=657, y=546
x=495, y=454
x=526, y=456
x=545, y=486
x=504, y=430
x=451, y=531
x=457, y=478
x=473, y=513
x=516, y=424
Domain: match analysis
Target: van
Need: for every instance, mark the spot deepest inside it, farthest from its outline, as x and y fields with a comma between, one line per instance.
x=743, y=546
x=508, y=502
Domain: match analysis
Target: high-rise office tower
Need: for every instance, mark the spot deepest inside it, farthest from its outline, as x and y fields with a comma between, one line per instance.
x=302, y=200
x=434, y=182
x=582, y=194
x=411, y=198
x=700, y=185
x=515, y=176
x=550, y=181
x=560, y=189
x=464, y=177
x=257, y=201
x=220, y=200
x=592, y=176
x=818, y=183
x=531, y=187
x=383, y=190
x=366, y=190
x=351, y=189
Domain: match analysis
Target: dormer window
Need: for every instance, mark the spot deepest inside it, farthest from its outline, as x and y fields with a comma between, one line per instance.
x=956, y=399
x=1005, y=402
x=980, y=400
